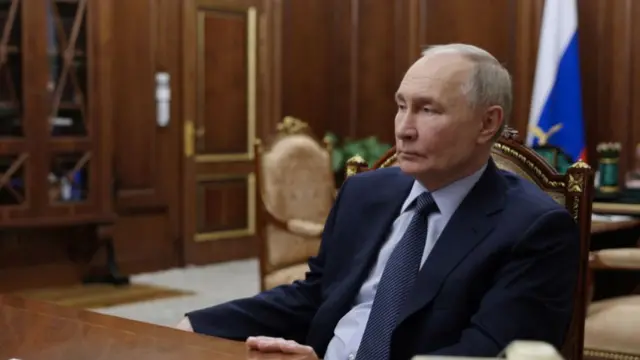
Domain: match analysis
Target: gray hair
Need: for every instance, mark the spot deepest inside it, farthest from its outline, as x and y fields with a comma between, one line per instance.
x=490, y=83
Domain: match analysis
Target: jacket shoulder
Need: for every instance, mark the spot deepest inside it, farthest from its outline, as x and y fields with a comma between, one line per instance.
x=525, y=195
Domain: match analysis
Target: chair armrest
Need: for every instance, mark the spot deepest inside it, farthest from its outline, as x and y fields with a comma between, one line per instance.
x=615, y=259
x=296, y=226
x=305, y=228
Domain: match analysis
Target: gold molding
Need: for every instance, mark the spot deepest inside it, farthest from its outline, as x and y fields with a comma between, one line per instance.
x=528, y=163
x=576, y=182
x=354, y=164
x=250, y=230
x=605, y=354
x=252, y=79
x=580, y=165
x=575, y=211
x=292, y=126
x=188, y=133
x=609, y=189
x=389, y=161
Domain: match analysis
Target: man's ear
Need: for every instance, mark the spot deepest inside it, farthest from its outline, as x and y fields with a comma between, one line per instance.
x=491, y=122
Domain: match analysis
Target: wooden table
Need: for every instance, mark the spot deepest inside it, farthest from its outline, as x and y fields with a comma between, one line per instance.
x=616, y=208
x=33, y=330
x=599, y=227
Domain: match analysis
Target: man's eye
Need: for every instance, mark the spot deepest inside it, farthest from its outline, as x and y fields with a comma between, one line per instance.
x=401, y=106
x=427, y=109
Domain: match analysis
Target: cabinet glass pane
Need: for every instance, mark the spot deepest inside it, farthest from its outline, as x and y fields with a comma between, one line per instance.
x=67, y=46
x=69, y=178
x=12, y=181
x=10, y=69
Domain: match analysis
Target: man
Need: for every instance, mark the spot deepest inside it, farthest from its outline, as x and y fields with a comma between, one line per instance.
x=446, y=255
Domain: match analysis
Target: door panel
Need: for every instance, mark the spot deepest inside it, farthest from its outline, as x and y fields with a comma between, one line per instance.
x=226, y=84
x=221, y=100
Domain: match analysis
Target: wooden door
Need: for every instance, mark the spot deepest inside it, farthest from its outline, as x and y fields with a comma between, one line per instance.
x=221, y=115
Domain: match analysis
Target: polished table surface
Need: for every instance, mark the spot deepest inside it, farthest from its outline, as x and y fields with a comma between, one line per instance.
x=599, y=227
x=31, y=330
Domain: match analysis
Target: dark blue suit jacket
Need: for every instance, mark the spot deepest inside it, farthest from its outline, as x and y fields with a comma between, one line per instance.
x=504, y=268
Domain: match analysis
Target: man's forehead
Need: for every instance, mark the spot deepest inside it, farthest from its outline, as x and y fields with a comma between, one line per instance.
x=445, y=67
x=428, y=85
x=436, y=73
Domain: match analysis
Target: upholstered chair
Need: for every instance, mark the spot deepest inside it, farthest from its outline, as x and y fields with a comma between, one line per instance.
x=612, y=329
x=297, y=190
x=574, y=190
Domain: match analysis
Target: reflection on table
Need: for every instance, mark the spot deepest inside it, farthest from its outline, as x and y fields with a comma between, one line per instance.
x=36, y=330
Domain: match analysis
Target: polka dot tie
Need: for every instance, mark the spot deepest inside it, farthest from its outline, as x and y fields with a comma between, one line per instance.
x=396, y=282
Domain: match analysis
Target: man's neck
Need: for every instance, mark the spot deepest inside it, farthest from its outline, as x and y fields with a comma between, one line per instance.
x=435, y=181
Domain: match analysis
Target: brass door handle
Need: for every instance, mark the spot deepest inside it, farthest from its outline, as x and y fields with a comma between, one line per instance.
x=189, y=147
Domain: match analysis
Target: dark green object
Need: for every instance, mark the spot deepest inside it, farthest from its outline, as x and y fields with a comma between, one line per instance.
x=555, y=157
x=608, y=169
x=563, y=164
x=549, y=156
x=369, y=148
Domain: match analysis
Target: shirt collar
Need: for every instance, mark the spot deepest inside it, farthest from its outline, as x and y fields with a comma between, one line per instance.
x=449, y=197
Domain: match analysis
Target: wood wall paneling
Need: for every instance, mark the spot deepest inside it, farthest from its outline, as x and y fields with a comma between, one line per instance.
x=137, y=174
x=305, y=55
x=342, y=61
x=525, y=25
x=607, y=74
x=146, y=164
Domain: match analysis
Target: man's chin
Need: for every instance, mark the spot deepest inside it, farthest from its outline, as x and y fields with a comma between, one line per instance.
x=410, y=167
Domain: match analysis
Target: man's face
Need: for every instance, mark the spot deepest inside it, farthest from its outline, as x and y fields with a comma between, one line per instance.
x=437, y=131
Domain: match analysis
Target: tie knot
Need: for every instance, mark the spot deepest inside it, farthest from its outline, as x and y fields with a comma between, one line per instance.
x=425, y=203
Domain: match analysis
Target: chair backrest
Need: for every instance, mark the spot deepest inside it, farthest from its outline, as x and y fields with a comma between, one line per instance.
x=295, y=181
x=574, y=190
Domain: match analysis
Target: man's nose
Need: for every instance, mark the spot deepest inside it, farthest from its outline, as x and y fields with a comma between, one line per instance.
x=407, y=134
x=405, y=130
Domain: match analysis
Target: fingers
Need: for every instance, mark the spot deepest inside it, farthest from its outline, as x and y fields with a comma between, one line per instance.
x=270, y=344
x=292, y=347
x=264, y=344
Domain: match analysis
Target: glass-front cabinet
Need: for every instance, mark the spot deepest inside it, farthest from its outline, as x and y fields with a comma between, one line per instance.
x=55, y=165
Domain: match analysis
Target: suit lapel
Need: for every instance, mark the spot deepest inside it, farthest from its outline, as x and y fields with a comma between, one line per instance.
x=379, y=206
x=379, y=212
x=468, y=226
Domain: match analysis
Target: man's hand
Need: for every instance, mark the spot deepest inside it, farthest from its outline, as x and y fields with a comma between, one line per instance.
x=185, y=325
x=270, y=345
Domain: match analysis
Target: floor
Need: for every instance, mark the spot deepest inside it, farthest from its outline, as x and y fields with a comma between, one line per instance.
x=212, y=284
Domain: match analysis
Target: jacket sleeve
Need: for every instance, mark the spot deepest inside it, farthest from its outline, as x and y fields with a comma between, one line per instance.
x=532, y=295
x=285, y=311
